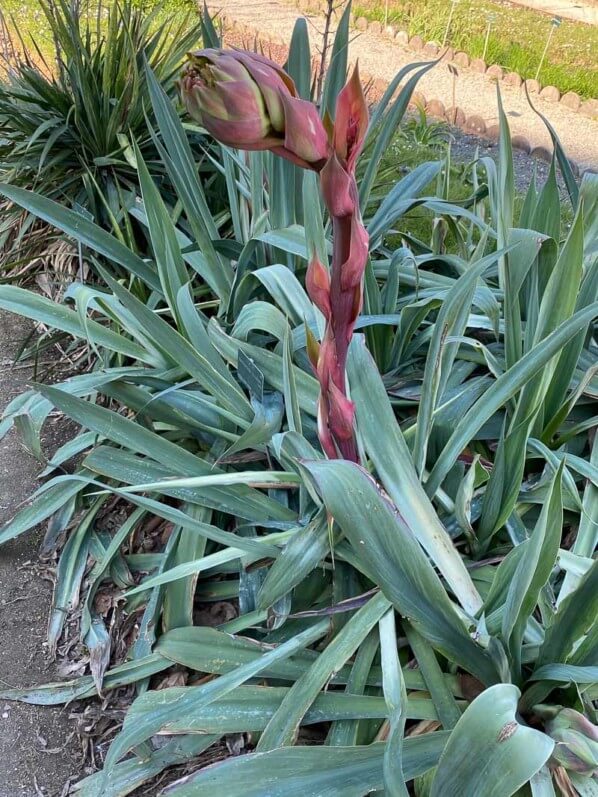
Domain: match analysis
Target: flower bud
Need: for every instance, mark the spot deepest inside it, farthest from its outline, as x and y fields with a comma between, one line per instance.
x=341, y=413
x=247, y=101
x=351, y=121
x=317, y=283
x=575, y=736
x=354, y=266
x=338, y=188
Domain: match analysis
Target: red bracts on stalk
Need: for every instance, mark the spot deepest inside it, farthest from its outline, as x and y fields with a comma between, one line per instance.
x=339, y=295
x=246, y=101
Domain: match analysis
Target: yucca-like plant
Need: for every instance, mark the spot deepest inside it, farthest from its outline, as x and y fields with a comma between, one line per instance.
x=67, y=128
x=430, y=610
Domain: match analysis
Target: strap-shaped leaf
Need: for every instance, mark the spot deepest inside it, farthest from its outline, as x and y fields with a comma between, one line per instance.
x=43, y=310
x=388, y=450
x=575, y=617
x=395, y=696
x=283, y=727
x=132, y=773
x=309, y=771
x=83, y=230
x=489, y=752
x=380, y=537
x=505, y=387
x=149, y=714
x=533, y=570
x=178, y=158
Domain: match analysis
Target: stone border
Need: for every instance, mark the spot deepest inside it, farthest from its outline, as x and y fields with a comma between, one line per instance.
x=474, y=124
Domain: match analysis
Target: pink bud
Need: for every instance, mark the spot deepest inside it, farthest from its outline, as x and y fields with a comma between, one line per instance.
x=327, y=360
x=341, y=413
x=355, y=310
x=317, y=282
x=304, y=133
x=338, y=188
x=351, y=121
x=353, y=268
x=324, y=435
x=247, y=101
x=274, y=84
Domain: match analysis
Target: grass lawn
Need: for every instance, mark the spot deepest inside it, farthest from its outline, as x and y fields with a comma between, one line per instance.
x=26, y=18
x=516, y=42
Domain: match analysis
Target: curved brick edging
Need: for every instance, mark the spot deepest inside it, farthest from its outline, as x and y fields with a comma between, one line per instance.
x=474, y=124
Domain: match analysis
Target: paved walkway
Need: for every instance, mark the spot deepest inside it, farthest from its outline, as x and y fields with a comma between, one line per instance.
x=475, y=93
x=578, y=10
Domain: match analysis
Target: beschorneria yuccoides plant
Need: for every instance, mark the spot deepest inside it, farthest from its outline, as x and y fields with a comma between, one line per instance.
x=246, y=101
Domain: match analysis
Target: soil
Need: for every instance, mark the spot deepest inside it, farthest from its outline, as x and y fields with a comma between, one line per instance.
x=474, y=93
x=39, y=751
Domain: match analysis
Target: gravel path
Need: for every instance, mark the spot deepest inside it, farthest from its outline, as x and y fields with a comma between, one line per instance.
x=475, y=93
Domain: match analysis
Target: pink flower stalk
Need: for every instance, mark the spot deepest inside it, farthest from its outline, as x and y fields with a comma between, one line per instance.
x=339, y=296
x=246, y=101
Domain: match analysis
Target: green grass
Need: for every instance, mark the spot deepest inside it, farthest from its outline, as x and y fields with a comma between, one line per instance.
x=26, y=18
x=407, y=151
x=403, y=156
x=517, y=37
x=420, y=140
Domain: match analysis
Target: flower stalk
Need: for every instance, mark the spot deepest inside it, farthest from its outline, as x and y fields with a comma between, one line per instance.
x=246, y=101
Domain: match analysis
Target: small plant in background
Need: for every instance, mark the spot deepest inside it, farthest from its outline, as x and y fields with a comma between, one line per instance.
x=454, y=73
x=421, y=132
x=449, y=21
x=490, y=19
x=68, y=127
x=554, y=24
